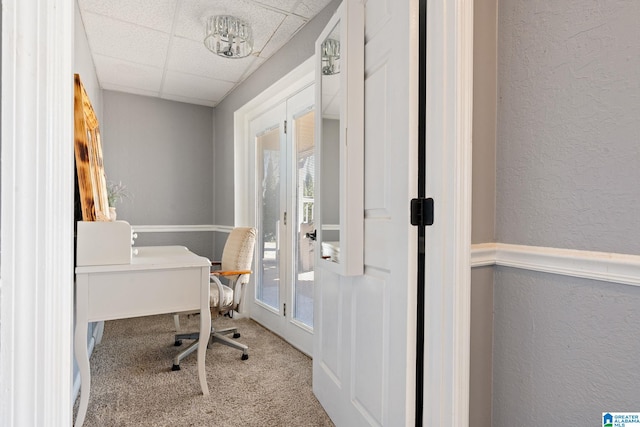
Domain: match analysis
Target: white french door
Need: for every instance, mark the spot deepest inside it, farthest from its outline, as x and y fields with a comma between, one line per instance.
x=284, y=183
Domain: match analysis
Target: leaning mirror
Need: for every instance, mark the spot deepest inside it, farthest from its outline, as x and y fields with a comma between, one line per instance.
x=340, y=139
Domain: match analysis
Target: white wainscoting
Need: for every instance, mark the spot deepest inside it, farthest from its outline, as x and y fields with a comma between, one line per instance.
x=180, y=228
x=603, y=266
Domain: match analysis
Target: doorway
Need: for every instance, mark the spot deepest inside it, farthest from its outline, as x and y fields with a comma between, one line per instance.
x=284, y=174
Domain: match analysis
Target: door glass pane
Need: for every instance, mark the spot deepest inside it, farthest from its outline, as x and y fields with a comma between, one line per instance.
x=303, y=128
x=267, y=289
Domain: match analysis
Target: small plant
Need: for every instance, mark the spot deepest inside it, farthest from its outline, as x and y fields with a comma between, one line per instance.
x=116, y=192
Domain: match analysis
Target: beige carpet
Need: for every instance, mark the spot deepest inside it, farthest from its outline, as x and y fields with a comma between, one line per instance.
x=133, y=385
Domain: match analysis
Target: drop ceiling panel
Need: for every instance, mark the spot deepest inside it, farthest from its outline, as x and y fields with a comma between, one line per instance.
x=310, y=8
x=154, y=14
x=128, y=74
x=126, y=89
x=289, y=27
x=201, y=88
x=155, y=47
x=286, y=5
x=192, y=57
x=256, y=64
x=118, y=39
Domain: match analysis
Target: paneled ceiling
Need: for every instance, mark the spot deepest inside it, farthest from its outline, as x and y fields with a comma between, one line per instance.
x=155, y=47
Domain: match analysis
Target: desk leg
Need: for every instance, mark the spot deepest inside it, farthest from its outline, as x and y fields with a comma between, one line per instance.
x=80, y=344
x=205, y=329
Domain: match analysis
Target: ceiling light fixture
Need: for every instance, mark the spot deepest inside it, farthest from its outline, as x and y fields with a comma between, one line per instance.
x=330, y=57
x=228, y=36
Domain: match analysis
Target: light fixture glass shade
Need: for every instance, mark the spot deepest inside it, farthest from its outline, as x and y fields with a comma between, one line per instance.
x=228, y=36
x=330, y=57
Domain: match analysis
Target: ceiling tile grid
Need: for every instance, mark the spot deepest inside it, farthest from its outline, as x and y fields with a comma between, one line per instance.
x=155, y=47
x=122, y=73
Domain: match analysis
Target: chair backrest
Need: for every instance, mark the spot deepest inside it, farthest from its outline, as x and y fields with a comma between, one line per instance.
x=238, y=252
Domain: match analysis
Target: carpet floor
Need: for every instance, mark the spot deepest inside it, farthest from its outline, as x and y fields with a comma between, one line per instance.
x=133, y=385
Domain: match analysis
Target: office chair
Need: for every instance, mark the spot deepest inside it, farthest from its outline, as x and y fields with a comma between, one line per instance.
x=235, y=266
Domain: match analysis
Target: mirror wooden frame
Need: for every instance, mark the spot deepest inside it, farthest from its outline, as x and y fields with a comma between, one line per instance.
x=350, y=16
x=92, y=181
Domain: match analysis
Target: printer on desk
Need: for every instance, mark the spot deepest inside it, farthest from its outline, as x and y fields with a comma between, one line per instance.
x=104, y=243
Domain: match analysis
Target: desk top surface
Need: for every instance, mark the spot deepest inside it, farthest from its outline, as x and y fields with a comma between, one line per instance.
x=152, y=258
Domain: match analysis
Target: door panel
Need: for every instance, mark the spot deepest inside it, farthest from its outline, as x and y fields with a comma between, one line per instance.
x=364, y=360
x=285, y=171
x=270, y=157
x=304, y=203
x=268, y=135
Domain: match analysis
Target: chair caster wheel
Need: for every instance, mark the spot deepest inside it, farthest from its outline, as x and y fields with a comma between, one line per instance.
x=244, y=357
x=175, y=368
x=236, y=335
x=178, y=343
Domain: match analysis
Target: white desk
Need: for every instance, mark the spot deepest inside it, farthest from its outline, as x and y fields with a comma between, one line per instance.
x=163, y=279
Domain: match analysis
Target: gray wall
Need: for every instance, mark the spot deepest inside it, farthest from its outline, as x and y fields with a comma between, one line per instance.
x=483, y=207
x=567, y=176
x=566, y=349
x=569, y=128
x=163, y=152
x=83, y=65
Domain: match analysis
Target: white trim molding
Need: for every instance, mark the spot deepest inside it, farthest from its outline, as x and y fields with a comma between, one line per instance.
x=448, y=266
x=180, y=228
x=36, y=311
x=603, y=266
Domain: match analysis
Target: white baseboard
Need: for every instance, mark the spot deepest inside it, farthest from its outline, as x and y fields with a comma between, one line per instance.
x=603, y=266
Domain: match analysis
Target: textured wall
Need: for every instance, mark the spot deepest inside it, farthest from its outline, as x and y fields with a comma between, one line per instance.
x=83, y=65
x=571, y=353
x=568, y=151
x=484, y=121
x=568, y=124
x=163, y=151
x=481, y=342
x=483, y=206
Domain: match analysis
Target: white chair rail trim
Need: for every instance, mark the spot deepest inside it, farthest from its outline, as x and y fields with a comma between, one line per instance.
x=603, y=266
x=180, y=228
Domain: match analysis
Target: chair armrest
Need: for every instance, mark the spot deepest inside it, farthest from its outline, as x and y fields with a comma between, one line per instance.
x=230, y=272
x=220, y=291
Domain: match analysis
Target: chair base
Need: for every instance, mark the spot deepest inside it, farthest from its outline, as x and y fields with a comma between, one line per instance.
x=215, y=336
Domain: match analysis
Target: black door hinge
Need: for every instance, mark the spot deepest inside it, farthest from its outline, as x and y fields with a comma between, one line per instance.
x=422, y=212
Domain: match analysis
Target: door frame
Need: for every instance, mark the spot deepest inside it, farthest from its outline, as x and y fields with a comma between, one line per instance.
x=280, y=321
x=37, y=212
x=294, y=82
x=448, y=130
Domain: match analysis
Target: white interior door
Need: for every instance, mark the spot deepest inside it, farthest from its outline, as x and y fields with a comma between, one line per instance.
x=285, y=158
x=364, y=362
x=364, y=343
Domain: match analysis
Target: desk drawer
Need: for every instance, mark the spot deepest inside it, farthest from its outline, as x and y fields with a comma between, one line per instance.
x=117, y=295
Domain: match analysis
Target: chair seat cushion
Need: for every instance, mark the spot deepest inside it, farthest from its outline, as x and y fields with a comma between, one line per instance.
x=214, y=296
